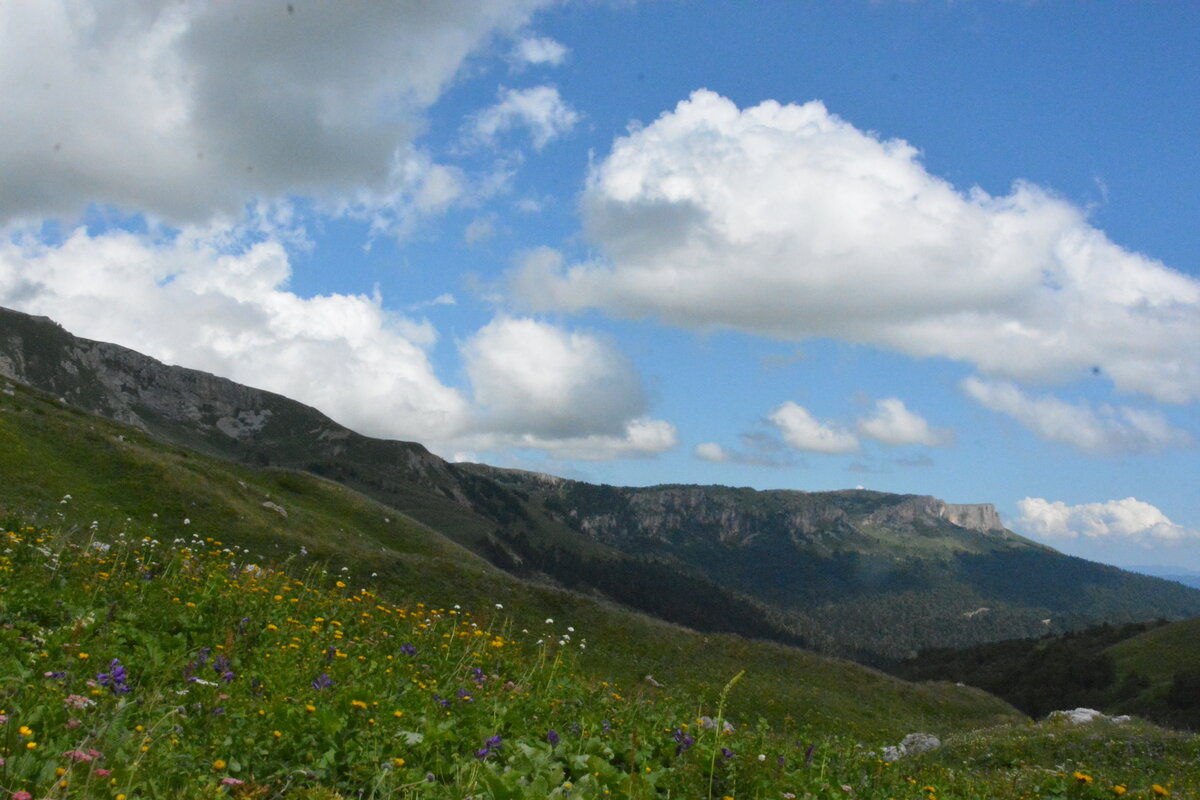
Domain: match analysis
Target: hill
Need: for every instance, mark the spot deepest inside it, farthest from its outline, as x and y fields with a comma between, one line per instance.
x=865, y=575
x=1148, y=669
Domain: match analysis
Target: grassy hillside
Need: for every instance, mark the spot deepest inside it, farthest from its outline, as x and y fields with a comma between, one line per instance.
x=68, y=469
x=133, y=668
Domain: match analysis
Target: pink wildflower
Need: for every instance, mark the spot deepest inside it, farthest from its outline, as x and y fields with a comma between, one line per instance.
x=231, y=782
x=78, y=701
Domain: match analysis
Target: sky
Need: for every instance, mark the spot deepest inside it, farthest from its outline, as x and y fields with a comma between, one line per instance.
x=945, y=248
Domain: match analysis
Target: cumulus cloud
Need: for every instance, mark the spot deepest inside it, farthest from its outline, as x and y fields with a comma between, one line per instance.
x=540, y=109
x=892, y=423
x=534, y=378
x=126, y=103
x=209, y=300
x=539, y=51
x=216, y=299
x=1107, y=429
x=1129, y=520
x=803, y=431
x=641, y=438
x=787, y=221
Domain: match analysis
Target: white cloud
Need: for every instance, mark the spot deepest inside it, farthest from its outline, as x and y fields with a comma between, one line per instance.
x=711, y=451
x=215, y=299
x=208, y=300
x=803, y=431
x=641, y=438
x=191, y=109
x=479, y=230
x=540, y=109
x=1129, y=520
x=786, y=221
x=892, y=423
x=539, y=51
x=533, y=378
x=1106, y=430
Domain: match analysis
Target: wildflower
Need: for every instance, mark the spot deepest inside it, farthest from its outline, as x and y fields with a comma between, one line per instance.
x=490, y=746
x=408, y=649
x=358, y=704
x=1081, y=777
x=552, y=737
x=21, y=795
x=219, y=764
x=322, y=681
x=1159, y=791
x=1119, y=789
x=726, y=753
x=683, y=741
x=115, y=678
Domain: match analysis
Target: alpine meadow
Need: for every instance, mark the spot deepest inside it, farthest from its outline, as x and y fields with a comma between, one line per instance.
x=599, y=400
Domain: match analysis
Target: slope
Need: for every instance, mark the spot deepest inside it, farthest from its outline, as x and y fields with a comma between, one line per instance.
x=68, y=469
x=865, y=575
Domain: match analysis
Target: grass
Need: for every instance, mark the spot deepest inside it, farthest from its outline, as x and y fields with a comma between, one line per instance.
x=135, y=668
x=1159, y=653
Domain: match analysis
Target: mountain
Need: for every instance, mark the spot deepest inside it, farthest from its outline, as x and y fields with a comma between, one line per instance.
x=862, y=574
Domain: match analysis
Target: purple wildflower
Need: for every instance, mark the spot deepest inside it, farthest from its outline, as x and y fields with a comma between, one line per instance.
x=683, y=741
x=552, y=737
x=726, y=753
x=490, y=746
x=115, y=678
x=322, y=681
x=465, y=696
x=408, y=649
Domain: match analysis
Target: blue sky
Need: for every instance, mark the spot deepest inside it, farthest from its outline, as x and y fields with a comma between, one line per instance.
x=939, y=248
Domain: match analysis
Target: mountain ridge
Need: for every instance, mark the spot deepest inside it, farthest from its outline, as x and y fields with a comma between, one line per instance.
x=867, y=574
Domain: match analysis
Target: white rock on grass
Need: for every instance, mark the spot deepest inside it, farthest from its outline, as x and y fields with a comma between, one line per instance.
x=912, y=745
x=1082, y=716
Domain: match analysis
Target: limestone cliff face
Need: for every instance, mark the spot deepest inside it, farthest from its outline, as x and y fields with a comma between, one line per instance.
x=981, y=517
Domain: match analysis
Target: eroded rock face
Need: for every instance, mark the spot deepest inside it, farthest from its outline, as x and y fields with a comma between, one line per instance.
x=981, y=517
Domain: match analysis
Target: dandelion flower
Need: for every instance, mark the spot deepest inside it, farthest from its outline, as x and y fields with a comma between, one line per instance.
x=219, y=764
